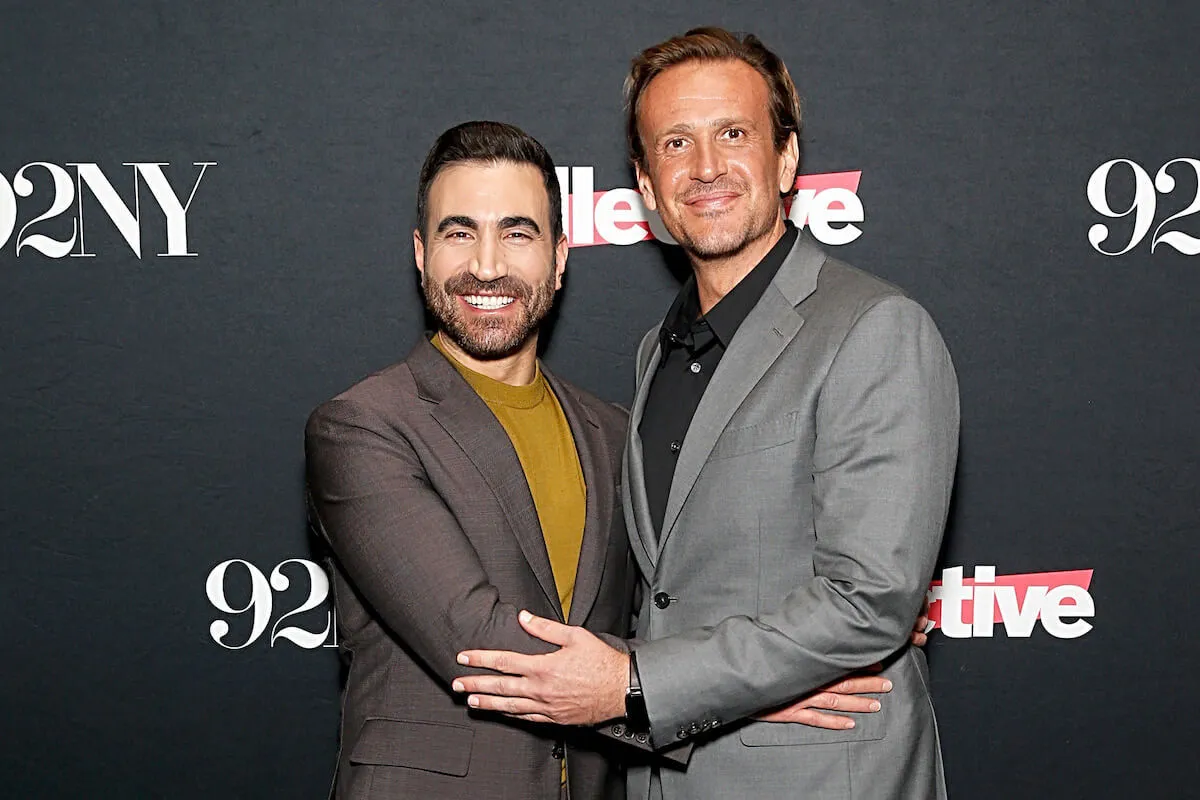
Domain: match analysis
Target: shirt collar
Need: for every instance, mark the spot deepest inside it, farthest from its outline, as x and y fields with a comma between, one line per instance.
x=731, y=310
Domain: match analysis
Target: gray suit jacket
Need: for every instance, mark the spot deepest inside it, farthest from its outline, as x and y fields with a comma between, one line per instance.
x=435, y=547
x=800, y=537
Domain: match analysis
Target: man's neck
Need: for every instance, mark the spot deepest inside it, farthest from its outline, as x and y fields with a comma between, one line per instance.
x=518, y=369
x=716, y=277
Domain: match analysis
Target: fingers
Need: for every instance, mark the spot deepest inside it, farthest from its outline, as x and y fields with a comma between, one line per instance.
x=547, y=630
x=810, y=717
x=499, y=685
x=513, y=706
x=919, y=639
x=498, y=660
x=842, y=702
x=860, y=684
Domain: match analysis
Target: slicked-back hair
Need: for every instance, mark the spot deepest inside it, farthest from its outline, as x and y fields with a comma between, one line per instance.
x=483, y=142
x=712, y=44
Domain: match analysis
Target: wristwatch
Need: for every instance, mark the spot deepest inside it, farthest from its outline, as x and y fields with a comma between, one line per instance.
x=636, y=715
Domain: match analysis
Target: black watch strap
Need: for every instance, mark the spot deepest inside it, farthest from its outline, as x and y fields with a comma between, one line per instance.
x=635, y=703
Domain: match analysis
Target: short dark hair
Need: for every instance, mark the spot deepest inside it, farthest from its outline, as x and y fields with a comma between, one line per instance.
x=486, y=142
x=712, y=44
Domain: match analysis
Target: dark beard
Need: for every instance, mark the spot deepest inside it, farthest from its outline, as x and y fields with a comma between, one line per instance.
x=488, y=339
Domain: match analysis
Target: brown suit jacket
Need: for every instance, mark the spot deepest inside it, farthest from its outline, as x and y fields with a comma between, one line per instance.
x=435, y=548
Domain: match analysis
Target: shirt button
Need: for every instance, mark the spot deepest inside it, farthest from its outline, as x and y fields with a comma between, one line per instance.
x=695, y=367
x=676, y=447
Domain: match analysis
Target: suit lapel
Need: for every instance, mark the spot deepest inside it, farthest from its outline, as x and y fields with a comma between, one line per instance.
x=633, y=472
x=597, y=468
x=473, y=426
x=762, y=336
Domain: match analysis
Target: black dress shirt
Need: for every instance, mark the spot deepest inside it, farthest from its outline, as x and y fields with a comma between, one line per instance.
x=693, y=345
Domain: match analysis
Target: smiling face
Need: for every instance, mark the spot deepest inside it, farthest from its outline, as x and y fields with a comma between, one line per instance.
x=489, y=267
x=711, y=167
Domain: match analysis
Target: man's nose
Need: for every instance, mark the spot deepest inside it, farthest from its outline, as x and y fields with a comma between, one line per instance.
x=708, y=163
x=488, y=263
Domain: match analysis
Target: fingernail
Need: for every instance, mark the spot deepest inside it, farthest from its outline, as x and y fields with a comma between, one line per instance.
x=887, y=686
x=849, y=724
x=457, y=686
x=874, y=705
x=525, y=616
x=473, y=701
x=462, y=658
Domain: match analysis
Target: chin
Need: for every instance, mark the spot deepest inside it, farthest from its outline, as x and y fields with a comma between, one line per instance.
x=489, y=342
x=715, y=244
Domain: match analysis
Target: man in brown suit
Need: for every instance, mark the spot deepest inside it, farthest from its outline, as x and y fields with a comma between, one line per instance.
x=434, y=497
x=466, y=483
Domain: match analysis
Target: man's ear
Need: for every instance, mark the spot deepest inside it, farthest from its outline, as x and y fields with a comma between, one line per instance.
x=789, y=163
x=419, y=251
x=560, y=260
x=645, y=187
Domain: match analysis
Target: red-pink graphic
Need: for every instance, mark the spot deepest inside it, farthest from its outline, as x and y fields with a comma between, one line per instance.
x=969, y=607
x=827, y=203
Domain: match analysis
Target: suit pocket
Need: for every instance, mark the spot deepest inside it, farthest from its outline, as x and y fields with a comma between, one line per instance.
x=752, y=438
x=431, y=746
x=867, y=727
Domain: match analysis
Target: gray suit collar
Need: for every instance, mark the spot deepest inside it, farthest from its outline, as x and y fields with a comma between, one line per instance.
x=762, y=337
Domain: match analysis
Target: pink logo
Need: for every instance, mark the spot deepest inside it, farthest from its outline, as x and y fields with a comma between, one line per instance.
x=826, y=203
x=968, y=607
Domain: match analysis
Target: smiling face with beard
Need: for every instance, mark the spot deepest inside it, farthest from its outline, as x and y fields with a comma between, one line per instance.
x=489, y=267
x=488, y=337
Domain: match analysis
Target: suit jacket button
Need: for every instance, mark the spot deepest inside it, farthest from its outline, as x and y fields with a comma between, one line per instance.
x=558, y=752
x=643, y=738
x=662, y=599
x=695, y=728
x=618, y=730
x=682, y=733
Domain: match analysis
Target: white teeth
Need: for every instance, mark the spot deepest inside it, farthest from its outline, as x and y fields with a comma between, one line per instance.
x=487, y=301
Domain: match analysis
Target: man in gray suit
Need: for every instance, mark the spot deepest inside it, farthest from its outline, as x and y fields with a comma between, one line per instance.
x=465, y=483
x=787, y=473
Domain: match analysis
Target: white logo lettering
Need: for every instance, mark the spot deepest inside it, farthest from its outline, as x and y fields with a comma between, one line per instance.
x=1016, y=601
x=68, y=191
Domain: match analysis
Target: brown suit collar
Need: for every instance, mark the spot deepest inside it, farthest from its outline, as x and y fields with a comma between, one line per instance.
x=467, y=419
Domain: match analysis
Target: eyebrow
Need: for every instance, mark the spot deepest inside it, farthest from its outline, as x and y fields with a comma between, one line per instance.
x=460, y=221
x=520, y=222
x=506, y=223
x=723, y=122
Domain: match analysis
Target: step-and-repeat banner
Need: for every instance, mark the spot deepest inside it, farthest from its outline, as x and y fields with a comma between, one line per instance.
x=205, y=230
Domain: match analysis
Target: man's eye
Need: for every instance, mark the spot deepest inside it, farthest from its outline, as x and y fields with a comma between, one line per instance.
x=519, y=235
x=735, y=133
x=674, y=144
x=457, y=235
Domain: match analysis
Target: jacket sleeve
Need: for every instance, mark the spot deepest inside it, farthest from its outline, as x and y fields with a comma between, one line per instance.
x=885, y=448
x=399, y=544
